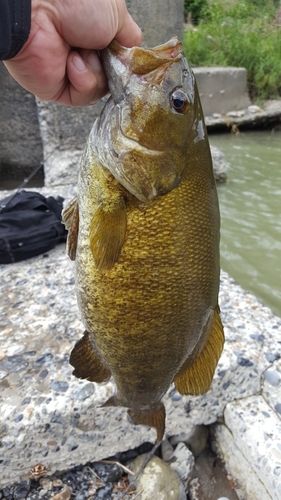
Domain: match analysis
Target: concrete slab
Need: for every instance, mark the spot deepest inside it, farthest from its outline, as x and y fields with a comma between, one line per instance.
x=222, y=89
x=256, y=432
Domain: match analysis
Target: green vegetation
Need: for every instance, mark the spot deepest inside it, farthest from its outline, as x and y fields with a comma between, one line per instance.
x=242, y=34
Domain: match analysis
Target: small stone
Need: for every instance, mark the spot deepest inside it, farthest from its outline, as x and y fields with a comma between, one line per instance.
x=59, y=385
x=64, y=494
x=278, y=407
x=194, y=489
x=57, y=482
x=182, y=462
x=107, y=472
x=83, y=392
x=157, y=480
x=254, y=109
x=13, y=364
x=46, y=484
x=15, y=349
x=271, y=357
x=21, y=490
x=196, y=440
x=244, y=362
x=104, y=493
x=167, y=450
x=272, y=377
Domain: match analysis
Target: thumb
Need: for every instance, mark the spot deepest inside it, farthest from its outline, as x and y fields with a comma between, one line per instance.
x=129, y=33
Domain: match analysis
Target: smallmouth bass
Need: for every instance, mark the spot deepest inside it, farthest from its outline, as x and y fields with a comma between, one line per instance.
x=144, y=232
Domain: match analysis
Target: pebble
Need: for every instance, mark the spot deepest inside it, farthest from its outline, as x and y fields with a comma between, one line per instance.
x=182, y=462
x=272, y=377
x=107, y=472
x=254, y=109
x=64, y=494
x=196, y=440
x=157, y=481
x=167, y=450
x=104, y=493
x=21, y=490
x=57, y=482
x=46, y=484
x=84, y=392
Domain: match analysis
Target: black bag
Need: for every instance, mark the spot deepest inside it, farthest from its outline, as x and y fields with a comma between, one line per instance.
x=30, y=224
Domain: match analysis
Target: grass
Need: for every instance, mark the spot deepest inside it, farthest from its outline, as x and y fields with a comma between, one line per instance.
x=241, y=34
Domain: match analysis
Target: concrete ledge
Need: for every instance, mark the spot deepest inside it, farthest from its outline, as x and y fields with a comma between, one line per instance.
x=50, y=417
x=222, y=89
x=249, y=118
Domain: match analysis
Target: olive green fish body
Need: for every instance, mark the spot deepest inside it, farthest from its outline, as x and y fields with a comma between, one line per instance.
x=146, y=243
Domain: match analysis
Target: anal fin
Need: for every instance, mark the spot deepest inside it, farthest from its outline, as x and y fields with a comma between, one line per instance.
x=70, y=218
x=107, y=234
x=197, y=378
x=151, y=417
x=86, y=363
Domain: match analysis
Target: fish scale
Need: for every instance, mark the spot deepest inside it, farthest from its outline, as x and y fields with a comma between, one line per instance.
x=146, y=244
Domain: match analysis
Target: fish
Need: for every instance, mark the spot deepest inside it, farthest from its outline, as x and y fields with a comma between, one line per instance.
x=144, y=232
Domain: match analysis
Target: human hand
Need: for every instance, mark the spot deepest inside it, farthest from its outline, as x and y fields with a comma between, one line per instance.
x=59, y=62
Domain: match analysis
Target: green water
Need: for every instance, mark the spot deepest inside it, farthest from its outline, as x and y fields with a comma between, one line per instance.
x=250, y=204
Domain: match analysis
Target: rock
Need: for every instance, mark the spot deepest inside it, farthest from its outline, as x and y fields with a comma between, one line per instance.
x=220, y=164
x=21, y=490
x=196, y=440
x=236, y=114
x=157, y=481
x=46, y=484
x=194, y=489
x=167, y=450
x=254, y=109
x=64, y=494
x=182, y=462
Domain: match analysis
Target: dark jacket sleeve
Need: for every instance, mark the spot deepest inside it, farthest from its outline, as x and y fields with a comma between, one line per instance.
x=15, y=21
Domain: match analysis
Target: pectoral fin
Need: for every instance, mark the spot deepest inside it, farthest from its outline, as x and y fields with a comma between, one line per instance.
x=107, y=234
x=70, y=218
x=153, y=418
x=86, y=363
x=197, y=378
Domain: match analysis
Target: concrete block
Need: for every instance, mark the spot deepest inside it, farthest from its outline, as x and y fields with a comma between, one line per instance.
x=21, y=147
x=256, y=432
x=222, y=89
x=249, y=484
x=159, y=20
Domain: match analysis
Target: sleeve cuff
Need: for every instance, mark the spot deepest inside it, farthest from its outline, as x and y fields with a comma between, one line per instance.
x=14, y=26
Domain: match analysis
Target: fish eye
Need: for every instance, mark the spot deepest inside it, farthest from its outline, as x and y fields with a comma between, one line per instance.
x=179, y=101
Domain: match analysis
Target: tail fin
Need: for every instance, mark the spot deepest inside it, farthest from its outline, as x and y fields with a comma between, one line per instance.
x=152, y=418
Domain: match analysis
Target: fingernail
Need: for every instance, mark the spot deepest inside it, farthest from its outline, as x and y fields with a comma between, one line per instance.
x=79, y=63
x=94, y=61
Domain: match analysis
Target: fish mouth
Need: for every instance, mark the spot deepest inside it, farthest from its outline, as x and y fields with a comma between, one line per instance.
x=142, y=61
